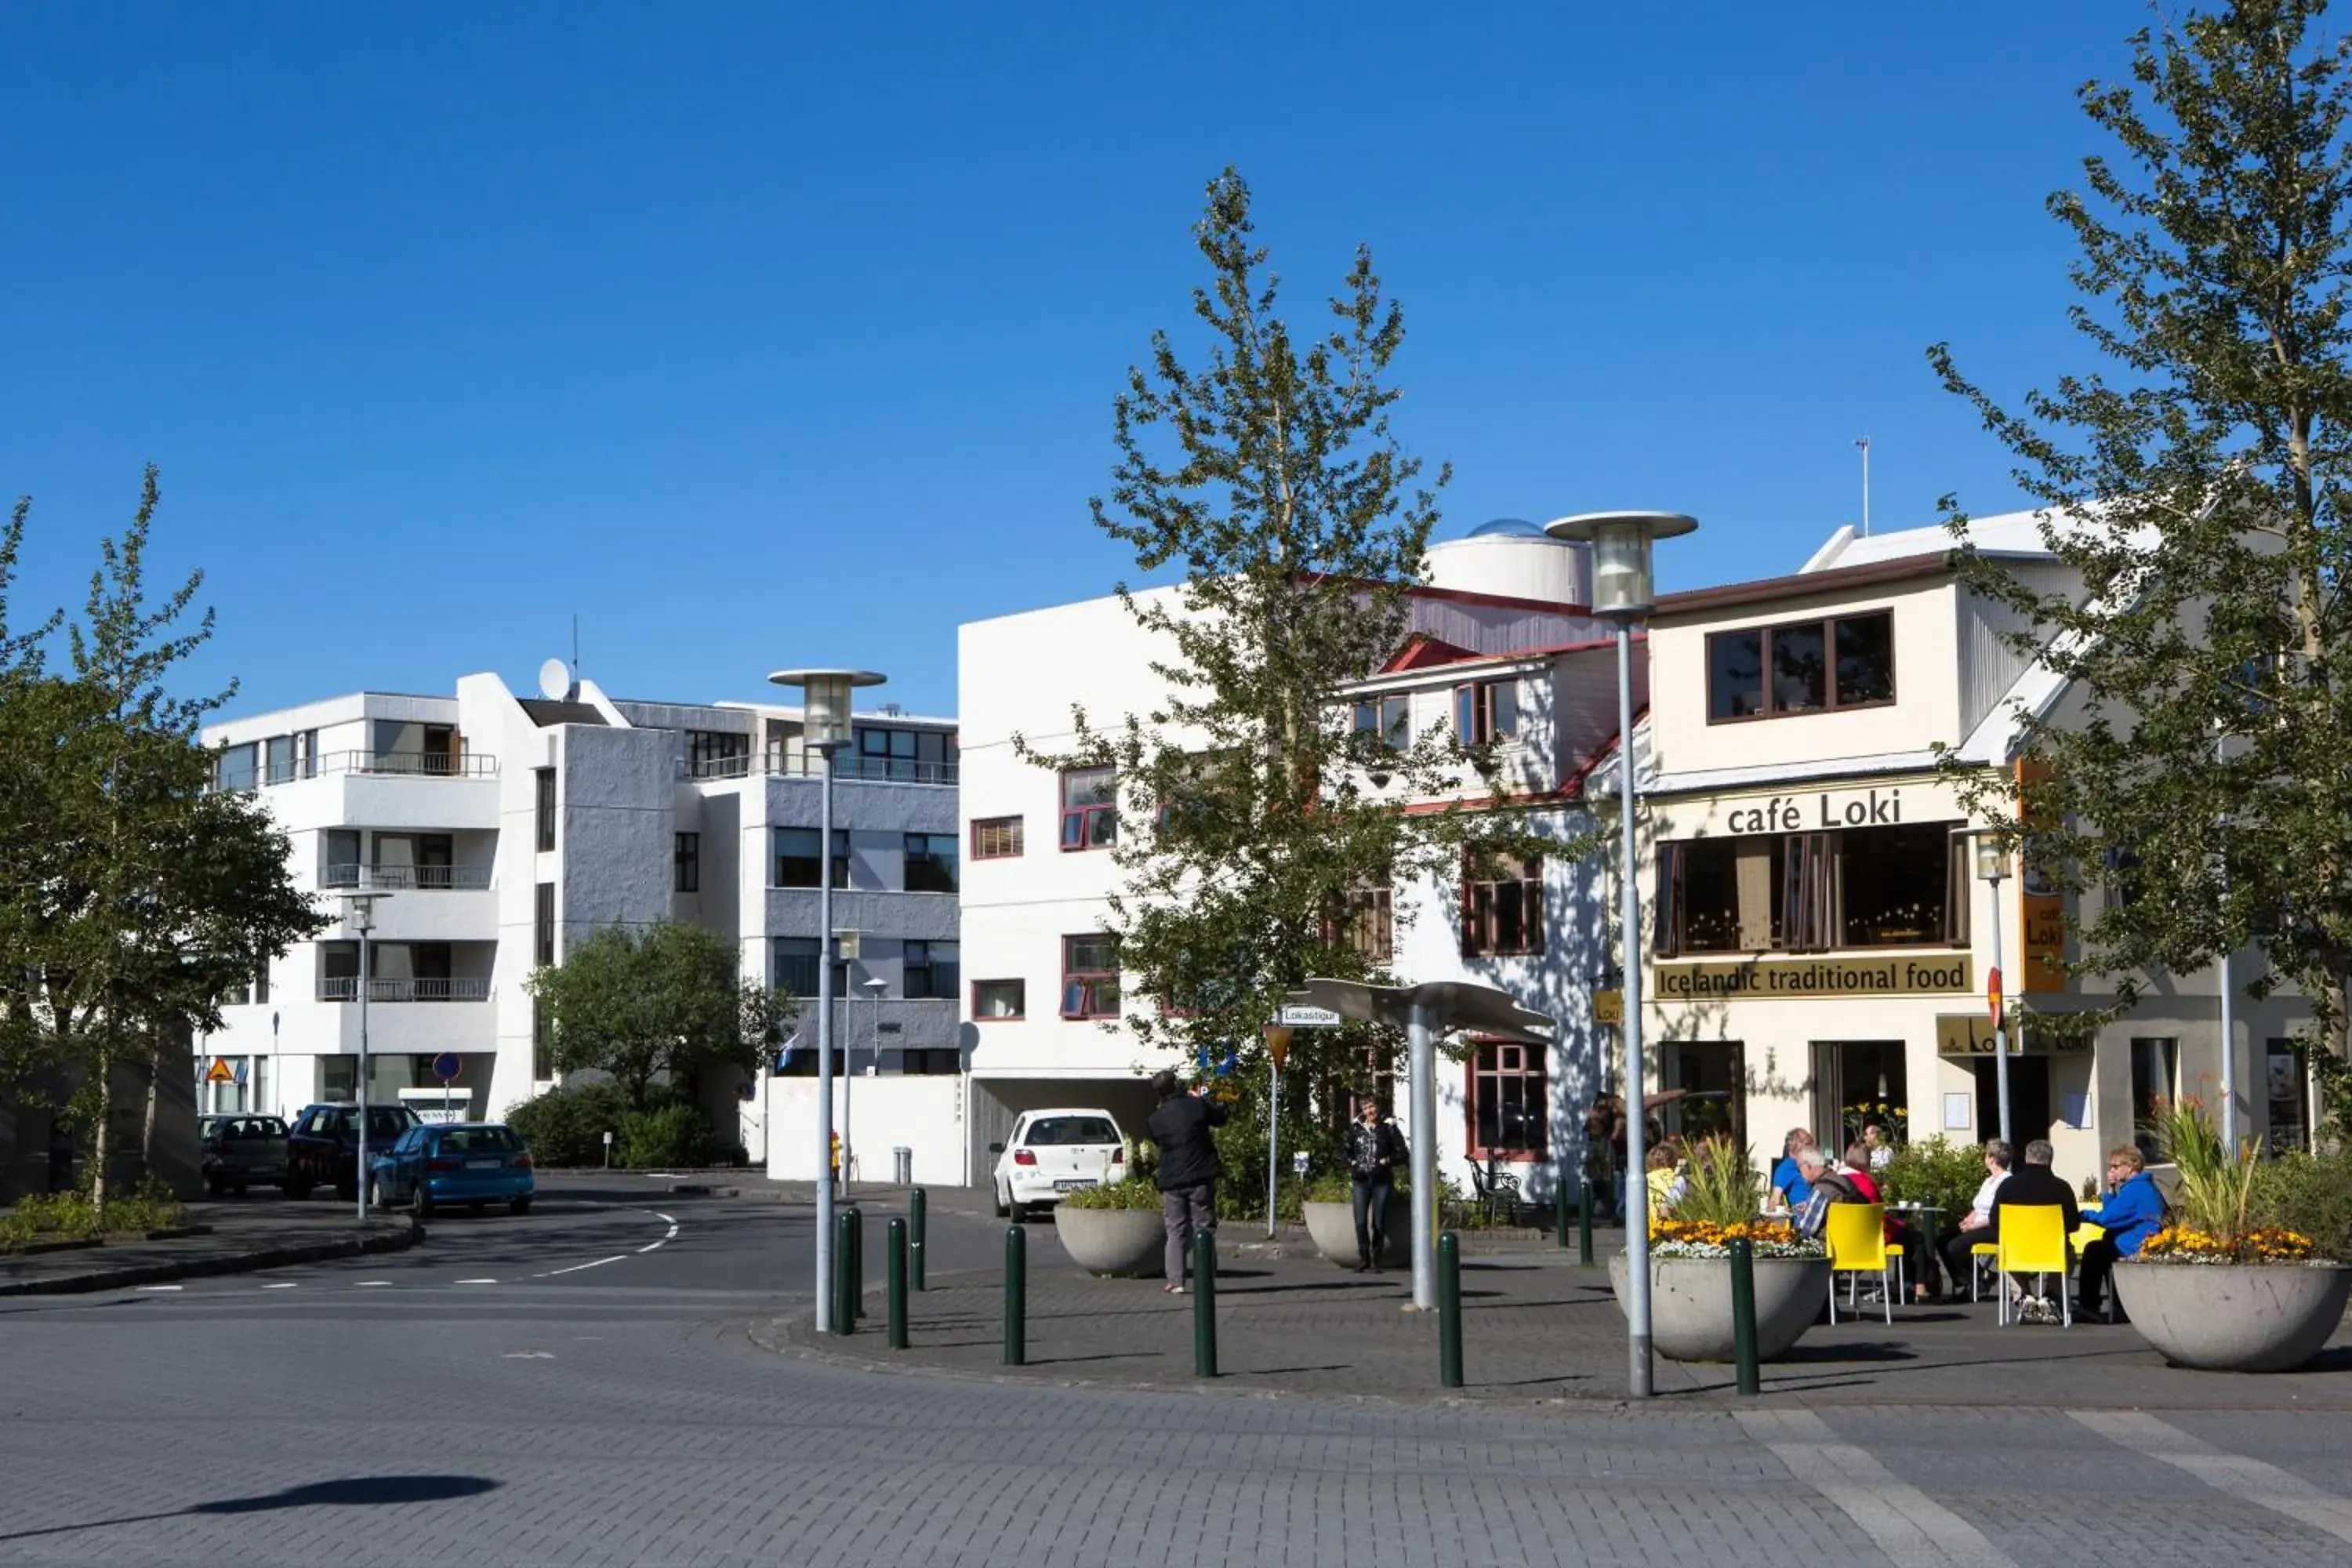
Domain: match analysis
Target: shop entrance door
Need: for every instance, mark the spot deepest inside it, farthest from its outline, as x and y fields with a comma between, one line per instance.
x=1853, y=1081
x=1711, y=1067
x=2028, y=1099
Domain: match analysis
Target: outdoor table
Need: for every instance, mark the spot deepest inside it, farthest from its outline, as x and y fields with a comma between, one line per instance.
x=1926, y=1214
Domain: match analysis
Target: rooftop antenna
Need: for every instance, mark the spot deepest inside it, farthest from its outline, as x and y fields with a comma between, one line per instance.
x=1864, y=445
x=575, y=614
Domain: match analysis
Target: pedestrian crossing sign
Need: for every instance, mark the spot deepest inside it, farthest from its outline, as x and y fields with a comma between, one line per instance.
x=220, y=1071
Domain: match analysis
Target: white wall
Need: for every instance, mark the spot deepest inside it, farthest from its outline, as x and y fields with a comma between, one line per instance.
x=925, y=1114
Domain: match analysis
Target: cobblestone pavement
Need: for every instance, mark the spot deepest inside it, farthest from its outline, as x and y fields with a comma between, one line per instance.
x=416, y=1410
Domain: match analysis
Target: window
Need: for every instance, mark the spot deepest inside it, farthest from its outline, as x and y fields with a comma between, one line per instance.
x=233, y=768
x=1000, y=998
x=279, y=764
x=261, y=982
x=1090, y=808
x=1486, y=713
x=1507, y=1115
x=1894, y=886
x=1090, y=976
x=716, y=755
x=1503, y=909
x=546, y=808
x=795, y=964
x=2155, y=1076
x=931, y=1061
x=685, y=863
x=996, y=838
x=1803, y=667
x=1368, y=925
x=1387, y=719
x=930, y=863
x=887, y=754
x=931, y=971
x=543, y=1051
x=796, y=861
x=543, y=926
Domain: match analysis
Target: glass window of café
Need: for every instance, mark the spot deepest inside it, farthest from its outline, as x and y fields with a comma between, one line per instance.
x=1905, y=885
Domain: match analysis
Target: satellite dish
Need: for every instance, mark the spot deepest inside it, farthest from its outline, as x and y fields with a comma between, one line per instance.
x=555, y=681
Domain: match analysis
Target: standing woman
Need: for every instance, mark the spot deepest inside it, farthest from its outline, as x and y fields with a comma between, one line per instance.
x=1374, y=1147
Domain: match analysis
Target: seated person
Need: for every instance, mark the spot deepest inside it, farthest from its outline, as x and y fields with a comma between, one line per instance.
x=2132, y=1213
x=1787, y=1177
x=1959, y=1261
x=1913, y=1244
x=1665, y=1178
x=2034, y=1184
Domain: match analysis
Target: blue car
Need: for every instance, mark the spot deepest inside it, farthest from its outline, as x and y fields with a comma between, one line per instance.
x=475, y=1164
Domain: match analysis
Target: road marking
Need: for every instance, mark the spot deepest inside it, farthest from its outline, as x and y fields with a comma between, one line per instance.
x=279, y=1285
x=2248, y=1479
x=1911, y=1529
x=369, y=1284
x=162, y=1287
x=477, y=1281
x=575, y=1268
x=530, y=1355
x=667, y=1236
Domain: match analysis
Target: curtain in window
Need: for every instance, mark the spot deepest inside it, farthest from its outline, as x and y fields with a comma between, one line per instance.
x=1958, y=874
x=1809, y=891
x=1666, y=909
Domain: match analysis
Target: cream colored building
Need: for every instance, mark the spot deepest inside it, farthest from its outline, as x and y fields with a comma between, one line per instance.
x=1818, y=941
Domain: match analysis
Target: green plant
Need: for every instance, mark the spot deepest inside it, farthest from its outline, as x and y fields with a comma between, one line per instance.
x=566, y=1126
x=1135, y=1191
x=2217, y=1183
x=670, y=1136
x=68, y=1216
x=2312, y=1195
x=1722, y=1187
x=1939, y=1172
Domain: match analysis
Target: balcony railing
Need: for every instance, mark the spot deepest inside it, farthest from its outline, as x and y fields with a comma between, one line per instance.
x=413, y=765
x=423, y=878
x=847, y=765
x=346, y=988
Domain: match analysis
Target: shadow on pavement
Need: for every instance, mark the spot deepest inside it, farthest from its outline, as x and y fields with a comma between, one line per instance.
x=355, y=1491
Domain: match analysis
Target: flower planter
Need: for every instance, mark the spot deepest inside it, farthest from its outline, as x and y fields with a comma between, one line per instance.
x=1111, y=1241
x=1690, y=1303
x=1332, y=1229
x=2234, y=1317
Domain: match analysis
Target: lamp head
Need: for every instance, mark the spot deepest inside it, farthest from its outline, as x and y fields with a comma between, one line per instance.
x=1622, y=588
x=825, y=701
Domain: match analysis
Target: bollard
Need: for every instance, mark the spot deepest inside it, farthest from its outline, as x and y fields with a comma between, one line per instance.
x=919, y=1208
x=1017, y=1294
x=1583, y=1223
x=1559, y=1217
x=896, y=1262
x=1743, y=1315
x=857, y=1262
x=844, y=1316
x=1449, y=1311
x=1204, y=1304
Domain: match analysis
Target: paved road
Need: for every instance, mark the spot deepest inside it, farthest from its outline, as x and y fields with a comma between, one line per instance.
x=599, y=1403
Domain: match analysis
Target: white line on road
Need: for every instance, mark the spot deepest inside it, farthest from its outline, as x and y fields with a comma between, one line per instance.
x=161, y=1287
x=477, y=1282
x=1911, y=1529
x=669, y=1236
x=369, y=1284
x=279, y=1285
x=2248, y=1479
x=578, y=1267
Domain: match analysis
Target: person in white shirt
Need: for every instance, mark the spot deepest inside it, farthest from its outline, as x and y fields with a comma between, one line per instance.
x=1874, y=1138
x=1958, y=1265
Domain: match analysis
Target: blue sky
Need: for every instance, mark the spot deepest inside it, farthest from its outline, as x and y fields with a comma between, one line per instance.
x=773, y=334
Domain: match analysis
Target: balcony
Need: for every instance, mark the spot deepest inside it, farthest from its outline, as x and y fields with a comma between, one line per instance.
x=413, y=765
x=391, y=879
x=871, y=769
x=346, y=988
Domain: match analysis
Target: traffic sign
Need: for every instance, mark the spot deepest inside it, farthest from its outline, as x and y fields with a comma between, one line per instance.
x=447, y=1067
x=1299, y=1015
x=1993, y=992
x=1277, y=1044
x=220, y=1071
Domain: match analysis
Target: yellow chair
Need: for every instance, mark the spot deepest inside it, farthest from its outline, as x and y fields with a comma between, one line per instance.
x=2033, y=1241
x=1980, y=1250
x=1856, y=1234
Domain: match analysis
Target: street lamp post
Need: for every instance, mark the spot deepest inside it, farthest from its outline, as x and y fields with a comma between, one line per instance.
x=875, y=985
x=1992, y=868
x=1622, y=591
x=825, y=727
x=360, y=916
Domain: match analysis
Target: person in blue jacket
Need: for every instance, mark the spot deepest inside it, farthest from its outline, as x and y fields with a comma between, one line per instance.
x=2130, y=1215
x=1787, y=1179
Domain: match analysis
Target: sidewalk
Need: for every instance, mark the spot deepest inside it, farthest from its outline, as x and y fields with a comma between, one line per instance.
x=1536, y=1328
x=229, y=1238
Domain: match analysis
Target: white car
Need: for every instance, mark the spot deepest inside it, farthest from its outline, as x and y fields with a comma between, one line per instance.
x=1054, y=1153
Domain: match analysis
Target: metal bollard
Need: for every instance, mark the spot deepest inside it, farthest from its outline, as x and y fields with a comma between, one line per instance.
x=897, y=1284
x=1449, y=1311
x=1559, y=1216
x=1743, y=1315
x=919, y=1207
x=1204, y=1304
x=857, y=1262
x=844, y=1316
x=1017, y=1296
x=1583, y=1223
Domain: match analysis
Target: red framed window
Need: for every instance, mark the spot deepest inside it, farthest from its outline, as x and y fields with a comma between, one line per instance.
x=1507, y=1107
x=1090, y=808
x=1486, y=711
x=1503, y=909
x=999, y=999
x=996, y=838
x=1090, y=976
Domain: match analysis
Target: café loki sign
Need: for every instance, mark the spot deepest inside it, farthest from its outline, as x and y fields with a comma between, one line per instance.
x=1971, y=1035
x=1818, y=813
x=1791, y=979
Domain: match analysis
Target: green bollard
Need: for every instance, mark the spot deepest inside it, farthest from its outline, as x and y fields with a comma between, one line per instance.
x=857, y=1262
x=1449, y=1311
x=1559, y=1217
x=1016, y=1293
x=1743, y=1315
x=918, y=1210
x=1583, y=1223
x=1204, y=1304
x=845, y=1313
x=896, y=1262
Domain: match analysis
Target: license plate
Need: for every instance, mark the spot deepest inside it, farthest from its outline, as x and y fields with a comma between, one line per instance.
x=484, y=1165
x=1072, y=1186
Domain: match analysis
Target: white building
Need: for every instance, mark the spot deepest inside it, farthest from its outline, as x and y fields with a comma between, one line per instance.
x=507, y=828
x=1501, y=625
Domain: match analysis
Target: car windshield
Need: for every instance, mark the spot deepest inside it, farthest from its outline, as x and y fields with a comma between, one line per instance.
x=479, y=1140
x=386, y=1123
x=257, y=1127
x=1058, y=1129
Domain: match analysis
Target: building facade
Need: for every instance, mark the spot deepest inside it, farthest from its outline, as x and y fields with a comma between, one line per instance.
x=506, y=828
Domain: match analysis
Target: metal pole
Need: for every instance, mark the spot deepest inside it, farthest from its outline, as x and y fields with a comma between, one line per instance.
x=2000, y=1029
x=359, y=1169
x=824, y=1045
x=898, y=1285
x=1204, y=1304
x=848, y=1064
x=1637, y=1205
x=919, y=1206
x=2228, y=1003
x=1273, y=1138
x=1449, y=1311
x=1743, y=1315
x=1421, y=1064
x=1016, y=1297
x=844, y=1316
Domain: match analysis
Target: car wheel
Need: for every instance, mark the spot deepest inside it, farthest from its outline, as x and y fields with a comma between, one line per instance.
x=215, y=1185
x=376, y=1195
x=520, y=1205
x=1003, y=1208
x=1017, y=1211
x=420, y=1202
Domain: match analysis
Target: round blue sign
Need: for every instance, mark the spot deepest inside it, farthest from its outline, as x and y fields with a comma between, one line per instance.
x=447, y=1067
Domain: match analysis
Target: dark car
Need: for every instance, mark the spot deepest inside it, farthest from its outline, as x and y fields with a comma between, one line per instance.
x=475, y=1164
x=323, y=1147
x=241, y=1152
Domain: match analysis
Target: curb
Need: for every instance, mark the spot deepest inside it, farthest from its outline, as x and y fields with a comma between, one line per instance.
x=389, y=1238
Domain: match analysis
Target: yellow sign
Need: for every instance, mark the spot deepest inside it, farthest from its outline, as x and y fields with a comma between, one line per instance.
x=1970, y=1035
x=1794, y=979
x=1609, y=1006
x=219, y=1071
x=1277, y=1044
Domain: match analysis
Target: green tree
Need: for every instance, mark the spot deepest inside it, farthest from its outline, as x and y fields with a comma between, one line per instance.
x=2195, y=487
x=667, y=1001
x=1251, y=842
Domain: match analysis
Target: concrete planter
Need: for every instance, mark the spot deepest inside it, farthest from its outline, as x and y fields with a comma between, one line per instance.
x=1332, y=1229
x=1111, y=1241
x=1690, y=1303
x=2250, y=1317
